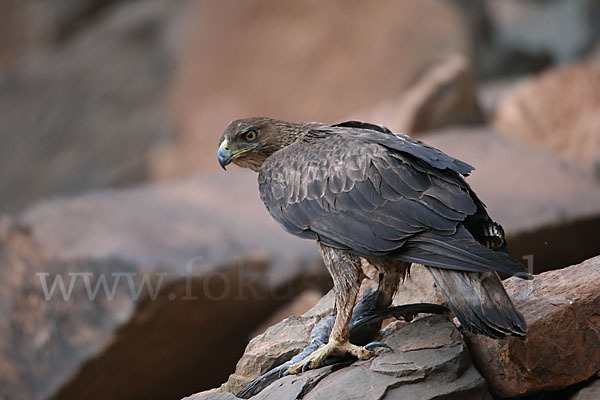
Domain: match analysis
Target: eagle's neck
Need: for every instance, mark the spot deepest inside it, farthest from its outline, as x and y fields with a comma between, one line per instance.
x=281, y=134
x=290, y=132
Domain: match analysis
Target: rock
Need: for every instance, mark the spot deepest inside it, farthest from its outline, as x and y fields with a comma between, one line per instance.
x=490, y=93
x=297, y=74
x=192, y=223
x=558, y=110
x=444, y=96
x=44, y=339
x=87, y=113
x=300, y=305
x=28, y=26
x=590, y=392
x=549, y=207
x=429, y=361
x=277, y=344
x=198, y=252
x=418, y=288
x=563, y=29
x=563, y=343
x=211, y=395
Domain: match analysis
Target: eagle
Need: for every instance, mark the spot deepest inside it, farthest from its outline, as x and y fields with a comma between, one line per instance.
x=364, y=193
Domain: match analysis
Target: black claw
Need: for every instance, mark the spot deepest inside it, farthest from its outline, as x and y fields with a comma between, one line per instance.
x=283, y=373
x=306, y=366
x=374, y=345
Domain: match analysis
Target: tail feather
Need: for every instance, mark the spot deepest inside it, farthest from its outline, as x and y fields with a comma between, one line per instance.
x=465, y=271
x=459, y=251
x=480, y=302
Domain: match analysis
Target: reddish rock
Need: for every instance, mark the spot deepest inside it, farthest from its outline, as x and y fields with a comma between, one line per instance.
x=45, y=338
x=197, y=246
x=558, y=110
x=303, y=61
x=192, y=223
x=418, y=287
x=563, y=342
x=444, y=96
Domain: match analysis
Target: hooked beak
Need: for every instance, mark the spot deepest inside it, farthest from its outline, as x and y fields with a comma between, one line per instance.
x=224, y=155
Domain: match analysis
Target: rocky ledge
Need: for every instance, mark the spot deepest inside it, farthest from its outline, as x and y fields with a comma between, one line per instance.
x=432, y=359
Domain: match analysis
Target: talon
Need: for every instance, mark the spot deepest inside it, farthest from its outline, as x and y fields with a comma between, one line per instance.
x=306, y=366
x=331, y=348
x=374, y=345
x=409, y=317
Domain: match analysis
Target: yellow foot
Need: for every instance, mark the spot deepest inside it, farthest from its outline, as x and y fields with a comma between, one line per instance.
x=332, y=347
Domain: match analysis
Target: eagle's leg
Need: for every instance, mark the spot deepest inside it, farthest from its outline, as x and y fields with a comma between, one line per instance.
x=347, y=274
x=391, y=272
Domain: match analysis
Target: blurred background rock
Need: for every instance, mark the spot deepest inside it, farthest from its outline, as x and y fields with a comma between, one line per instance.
x=110, y=113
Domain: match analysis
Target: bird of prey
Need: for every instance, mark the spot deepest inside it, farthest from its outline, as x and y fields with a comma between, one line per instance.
x=363, y=192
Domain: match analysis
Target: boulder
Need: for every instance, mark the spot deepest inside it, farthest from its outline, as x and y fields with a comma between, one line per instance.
x=429, y=361
x=46, y=334
x=87, y=113
x=443, y=96
x=558, y=110
x=28, y=26
x=563, y=342
x=188, y=280
x=529, y=36
x=303, y=61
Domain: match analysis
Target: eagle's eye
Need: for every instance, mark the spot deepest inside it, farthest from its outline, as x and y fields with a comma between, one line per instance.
x=250, y=136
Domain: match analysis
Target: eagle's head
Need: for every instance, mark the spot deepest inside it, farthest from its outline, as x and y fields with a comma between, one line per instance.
x=248, y=142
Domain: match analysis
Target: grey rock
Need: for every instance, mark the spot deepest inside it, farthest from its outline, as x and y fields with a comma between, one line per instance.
x=430, y=361
x=590, y=392
x=88, y=113
x=563, y=28
x=277, y=344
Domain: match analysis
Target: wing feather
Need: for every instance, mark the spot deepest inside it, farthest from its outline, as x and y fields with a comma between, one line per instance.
x=378, y=195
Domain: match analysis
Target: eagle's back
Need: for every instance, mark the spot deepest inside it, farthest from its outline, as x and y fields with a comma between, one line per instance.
x=380, y=195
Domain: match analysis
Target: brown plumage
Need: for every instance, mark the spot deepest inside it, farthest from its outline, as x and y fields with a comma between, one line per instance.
x=362, y=191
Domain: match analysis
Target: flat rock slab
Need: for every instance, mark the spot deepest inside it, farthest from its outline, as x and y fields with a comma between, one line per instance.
x=562, y=310
x=430, y=361
x=205, y=221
